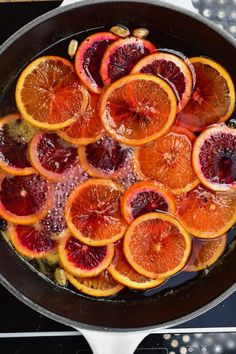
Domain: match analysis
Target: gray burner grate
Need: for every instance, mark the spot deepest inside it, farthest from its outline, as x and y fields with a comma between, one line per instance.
x=222, y=12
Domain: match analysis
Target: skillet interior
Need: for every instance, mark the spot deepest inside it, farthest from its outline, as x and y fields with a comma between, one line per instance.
x=175, y=30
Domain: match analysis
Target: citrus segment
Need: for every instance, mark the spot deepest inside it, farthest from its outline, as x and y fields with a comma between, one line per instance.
x=88, y=59
x=25, y=199
x=213, y=98
x=49, y=94
x=123, y=273
x=87, y=128
x=205, y=213
x=52, y=157
x=214, y=157
x=13, y=146
x=156, y=245
x=31, y=240
x=138, y=109
x=205, y=253
x=82, y=260
x=121, y=56
x=103, y=285
x=173, y=69
x=104, y=158
x=93, y=212
x=184, y=131
x=168, y=160
x=146, y=197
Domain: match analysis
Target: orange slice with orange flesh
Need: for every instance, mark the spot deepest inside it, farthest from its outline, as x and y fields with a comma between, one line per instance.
x=93, y=212
x=138, y=109
x=213, y=98
x=205, y=213
x=123, y=273
x=157, y=245
x=87, y=128
x=103, y=285
x=168, y=160
x=49, y=94
x=205, y=253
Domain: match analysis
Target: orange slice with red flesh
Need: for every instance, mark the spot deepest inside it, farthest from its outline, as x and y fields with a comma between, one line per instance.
x=87, y=128
x=105, y=158
x=146, y=197
x=214, y=157
x=103, y=285
x=52, y=157
x=82, y=260
x=205, y=213
x=123, y=273
x=25, y=199
x=31, y=241
x=93, y=212
x=88, y=59
x=49, y=94
x=213, y=98
x=121, y=56
x=13, y=147
x=205, y=253
x=157, y=245
x=173, y=69
x=168, y=160
x=138, y=109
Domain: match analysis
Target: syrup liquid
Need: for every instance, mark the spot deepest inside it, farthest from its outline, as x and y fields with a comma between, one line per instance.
x=48, y=266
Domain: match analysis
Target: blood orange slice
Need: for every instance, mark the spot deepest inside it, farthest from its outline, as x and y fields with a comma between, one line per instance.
x=88, y=127
x=122, y=272
x=205, y=213
x=138, y=109
x=52, y=157
x=157, y=245
x=146, y=197
x=104, y=158
x=168, y=160
x=213, y=98
x=82, y=260
x=88, y=59
x=25, y=199
x=205, y=253
x=31, y=241
x=13, y=146
x=93, y=212
x=214, y=157
x=103, y=285
x=171, y=68
x=49, y=94
x=121, y=56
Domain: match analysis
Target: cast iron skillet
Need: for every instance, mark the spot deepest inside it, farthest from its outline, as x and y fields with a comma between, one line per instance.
x=171, y=308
